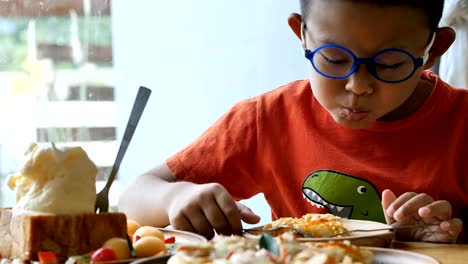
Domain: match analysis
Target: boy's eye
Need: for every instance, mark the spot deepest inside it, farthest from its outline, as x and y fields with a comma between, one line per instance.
x=392, y=60
x=389, y=66
x=333, y=58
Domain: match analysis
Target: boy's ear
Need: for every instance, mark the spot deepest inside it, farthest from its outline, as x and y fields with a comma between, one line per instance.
x=444, y=38
x=295, y=22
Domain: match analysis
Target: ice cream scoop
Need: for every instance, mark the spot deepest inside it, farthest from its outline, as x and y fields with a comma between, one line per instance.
x=55, y=180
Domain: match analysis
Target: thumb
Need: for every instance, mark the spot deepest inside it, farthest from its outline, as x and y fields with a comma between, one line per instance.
x=388, y=197
x=247, y=215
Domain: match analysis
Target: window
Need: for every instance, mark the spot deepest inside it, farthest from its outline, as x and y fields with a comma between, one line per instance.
x=57, y=80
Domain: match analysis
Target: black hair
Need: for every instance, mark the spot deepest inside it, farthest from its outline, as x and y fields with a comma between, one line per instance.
x=431, y=8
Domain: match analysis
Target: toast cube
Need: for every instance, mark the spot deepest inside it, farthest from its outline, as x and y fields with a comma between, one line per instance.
x=22, y=236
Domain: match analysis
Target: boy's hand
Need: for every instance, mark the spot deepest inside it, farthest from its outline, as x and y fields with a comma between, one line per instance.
x=206, y=208
x=412, y=208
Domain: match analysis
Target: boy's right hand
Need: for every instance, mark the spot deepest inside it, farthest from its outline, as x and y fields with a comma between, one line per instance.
x=206, y=208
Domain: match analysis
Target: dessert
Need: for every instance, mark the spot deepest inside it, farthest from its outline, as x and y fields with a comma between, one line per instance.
x=54, y=210
x=56, y=181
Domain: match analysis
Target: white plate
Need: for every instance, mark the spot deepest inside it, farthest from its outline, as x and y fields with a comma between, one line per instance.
x=395, y=256
x=183, y=236
x=374, y=238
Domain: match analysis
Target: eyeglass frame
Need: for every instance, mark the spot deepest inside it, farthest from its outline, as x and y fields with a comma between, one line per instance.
x=369, y=62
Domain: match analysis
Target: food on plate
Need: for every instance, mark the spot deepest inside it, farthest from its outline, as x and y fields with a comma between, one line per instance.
x=236, y=249
x=147, y=231
x=104, y=254
x=120, y=247
x=125, y=250
x=132, y=226
x=149, y=246
x=54, y=210
x=318, y=225
x=149, y=241
x=47, y=257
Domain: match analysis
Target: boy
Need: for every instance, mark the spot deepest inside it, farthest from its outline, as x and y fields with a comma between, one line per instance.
x=368, y=130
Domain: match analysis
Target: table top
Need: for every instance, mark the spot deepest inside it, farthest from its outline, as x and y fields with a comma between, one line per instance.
x=444, y=253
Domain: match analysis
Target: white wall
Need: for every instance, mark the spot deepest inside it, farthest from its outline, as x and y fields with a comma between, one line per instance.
x=199, y=58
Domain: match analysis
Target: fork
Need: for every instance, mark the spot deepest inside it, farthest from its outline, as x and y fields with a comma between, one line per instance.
x=383, y=229
x=308, y=235
x=102, y=198
x=269, y=230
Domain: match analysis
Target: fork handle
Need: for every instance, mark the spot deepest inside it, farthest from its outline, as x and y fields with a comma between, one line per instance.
x=137, y=110
x=394, y=228
x=385, y=229
x=269, y=230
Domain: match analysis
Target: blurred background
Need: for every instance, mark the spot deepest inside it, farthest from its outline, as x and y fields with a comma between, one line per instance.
x=70, y=70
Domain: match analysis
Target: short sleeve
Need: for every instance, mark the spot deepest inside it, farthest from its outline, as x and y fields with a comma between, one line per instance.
x=225, y=153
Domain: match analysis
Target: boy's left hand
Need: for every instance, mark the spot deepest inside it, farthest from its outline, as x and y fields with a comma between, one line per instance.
x=413, y=208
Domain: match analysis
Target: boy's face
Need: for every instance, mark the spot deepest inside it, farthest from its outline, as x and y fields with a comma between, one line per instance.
x=361, y=99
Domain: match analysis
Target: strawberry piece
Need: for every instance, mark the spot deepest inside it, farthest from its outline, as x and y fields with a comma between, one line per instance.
x=47, y=257
x=103, y=254
x=169, y=240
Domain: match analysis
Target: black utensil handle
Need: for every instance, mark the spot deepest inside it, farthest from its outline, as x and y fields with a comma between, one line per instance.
x=135, y=115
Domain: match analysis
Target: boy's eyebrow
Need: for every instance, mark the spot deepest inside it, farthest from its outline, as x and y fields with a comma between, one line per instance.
x=323, y=40
x=319, y=40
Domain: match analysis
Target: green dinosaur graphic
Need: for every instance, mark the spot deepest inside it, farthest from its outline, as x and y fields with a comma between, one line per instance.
x=343, y=195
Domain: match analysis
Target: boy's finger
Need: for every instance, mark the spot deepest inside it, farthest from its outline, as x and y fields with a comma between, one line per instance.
x=453, y=227
x=388, y=197
x=182, y=223
x=247, y=215
x=200, y=223
x=441, y=209
x=230, y=211
x=409, y=209
x=215, y=216
x=399, y=201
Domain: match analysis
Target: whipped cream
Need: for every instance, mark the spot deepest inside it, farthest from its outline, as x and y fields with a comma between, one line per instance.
x=55, y=181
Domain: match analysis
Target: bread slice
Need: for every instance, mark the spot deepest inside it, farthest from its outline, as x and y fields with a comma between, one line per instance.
x=23, y=236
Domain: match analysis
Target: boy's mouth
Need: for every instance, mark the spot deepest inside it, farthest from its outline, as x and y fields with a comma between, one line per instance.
x=353, y=114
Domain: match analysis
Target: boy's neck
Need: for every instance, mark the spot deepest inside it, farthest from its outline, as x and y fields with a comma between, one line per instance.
x=415, y=101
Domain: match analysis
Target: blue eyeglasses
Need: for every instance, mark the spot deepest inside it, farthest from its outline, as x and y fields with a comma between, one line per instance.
x=389, y=65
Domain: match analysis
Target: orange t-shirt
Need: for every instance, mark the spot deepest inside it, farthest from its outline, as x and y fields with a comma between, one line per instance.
x=286, y=145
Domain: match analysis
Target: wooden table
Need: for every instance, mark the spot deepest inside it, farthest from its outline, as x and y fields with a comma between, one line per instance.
x=445, y=253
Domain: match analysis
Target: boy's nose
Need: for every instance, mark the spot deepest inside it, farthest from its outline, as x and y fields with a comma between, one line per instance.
x=360, y=82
